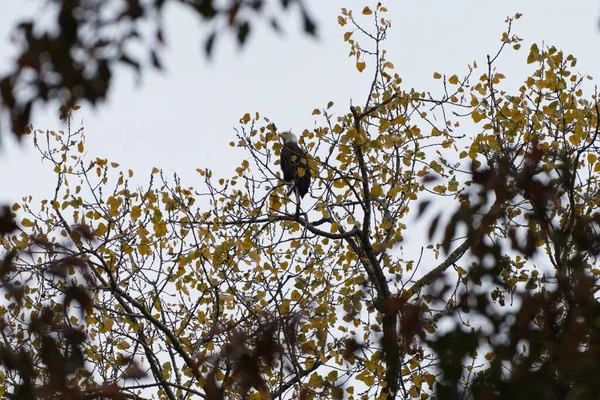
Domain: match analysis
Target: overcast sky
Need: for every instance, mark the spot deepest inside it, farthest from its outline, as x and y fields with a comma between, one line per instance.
x=183, y=119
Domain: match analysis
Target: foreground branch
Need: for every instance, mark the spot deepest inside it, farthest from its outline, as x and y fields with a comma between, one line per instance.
x=440, y=269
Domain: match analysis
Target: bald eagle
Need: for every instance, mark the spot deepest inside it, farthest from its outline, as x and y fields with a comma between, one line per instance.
x=294, y=165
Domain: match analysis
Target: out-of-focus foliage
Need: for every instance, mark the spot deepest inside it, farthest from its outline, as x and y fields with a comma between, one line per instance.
x=73, y=59
x=223, y=291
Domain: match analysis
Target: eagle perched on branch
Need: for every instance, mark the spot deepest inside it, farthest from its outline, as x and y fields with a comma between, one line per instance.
x=294, y=165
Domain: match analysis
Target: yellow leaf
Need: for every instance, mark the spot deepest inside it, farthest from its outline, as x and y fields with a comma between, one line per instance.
x=534, y=53
x=574, y=139
x=435, y=166
x=367, y=11
x=316, y=112
x=160, y=228
x=497, y=78
x=453, y=80
x=440, y=189
x=334, y=227
x=453, y=185
x=275, y=202
x=591, y=158
x=347, y=36
x=114, y=203
x=366, y=377
x=284, y=308
x=518, y=15
x=430, y=379
x=123, y=345
x=144, y=249
x=155, y=170
x=477, y=116
x=254, y=256
x=106, y=325
x=339, y=184
x=80, y=147
x=360, y=66
x=27, y=223
x=597, y=167
x=461, y=271
x=136, y=212
x=101, y=230
x=295, y=295
x=436, y=75
x=376, y=191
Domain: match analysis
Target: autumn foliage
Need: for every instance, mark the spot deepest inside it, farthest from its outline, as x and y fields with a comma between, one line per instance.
x=222, y=291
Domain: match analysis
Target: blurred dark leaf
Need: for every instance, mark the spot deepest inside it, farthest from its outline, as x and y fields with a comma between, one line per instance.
x=107, y=390
x=209, y=44
x=211, y=388
x=433, y=226
x=155, y=60
x=84, y=230
x=206, y=8
x=309, y=25
x=17, y=292
x=422, y=207
x=275, y=25
x=243, y=30
x=351, y=346
x=232, y=14
x=6, y=265
x=160, y=36
x=20, y=119
x=134, y=371
x=125, y=59
x=7, y=222
x=80, y=295
x=6, y=91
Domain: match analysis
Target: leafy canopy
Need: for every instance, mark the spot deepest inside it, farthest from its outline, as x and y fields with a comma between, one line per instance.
x=223, y=291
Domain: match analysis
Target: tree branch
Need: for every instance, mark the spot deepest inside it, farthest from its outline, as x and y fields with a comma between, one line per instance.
x=296, y=379
x=439, y=270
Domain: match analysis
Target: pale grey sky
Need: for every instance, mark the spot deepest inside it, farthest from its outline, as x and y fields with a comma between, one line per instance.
x=183, y=119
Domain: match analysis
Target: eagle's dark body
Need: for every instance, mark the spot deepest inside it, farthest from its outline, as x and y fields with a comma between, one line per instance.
x=294, y=165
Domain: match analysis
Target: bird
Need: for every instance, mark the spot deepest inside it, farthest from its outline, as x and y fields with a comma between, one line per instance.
x=294, y=165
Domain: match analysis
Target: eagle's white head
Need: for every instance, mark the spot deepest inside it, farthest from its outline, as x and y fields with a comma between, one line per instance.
x=288, y=137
